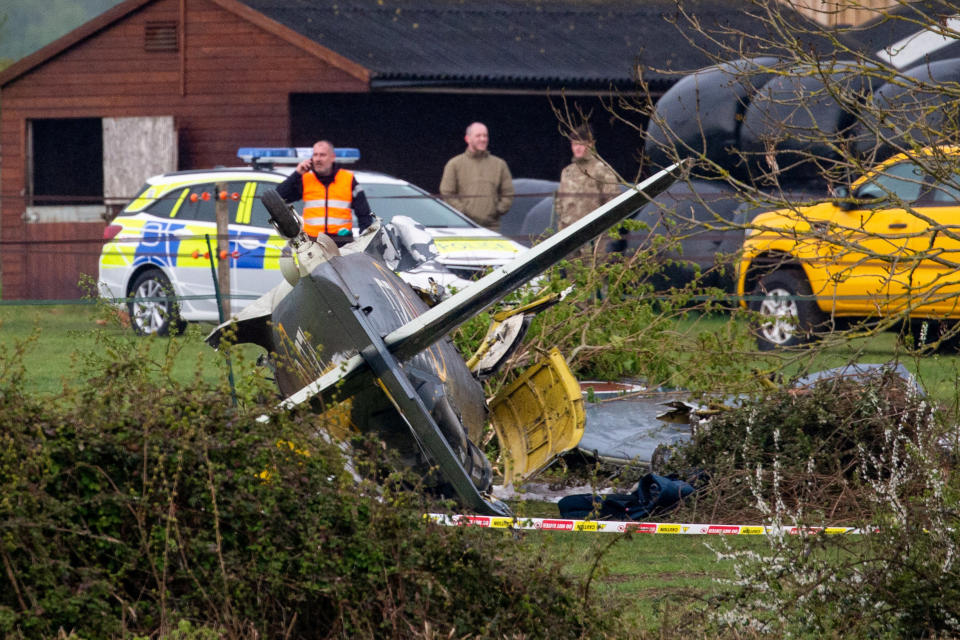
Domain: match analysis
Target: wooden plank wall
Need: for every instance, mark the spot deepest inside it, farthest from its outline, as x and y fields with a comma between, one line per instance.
x=231, y=90
x=57, y=255
x=842, y=12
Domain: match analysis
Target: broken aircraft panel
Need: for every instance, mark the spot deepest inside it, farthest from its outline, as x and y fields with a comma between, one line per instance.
x=346, y=327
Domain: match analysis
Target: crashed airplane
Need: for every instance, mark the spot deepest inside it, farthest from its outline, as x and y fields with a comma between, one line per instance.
x=343, y=328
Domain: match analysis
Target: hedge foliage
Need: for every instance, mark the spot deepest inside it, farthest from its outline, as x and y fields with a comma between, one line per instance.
x=866, y=451
x=137, y=506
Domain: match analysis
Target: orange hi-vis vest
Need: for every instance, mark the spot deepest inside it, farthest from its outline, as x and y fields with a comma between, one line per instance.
x=327, y=210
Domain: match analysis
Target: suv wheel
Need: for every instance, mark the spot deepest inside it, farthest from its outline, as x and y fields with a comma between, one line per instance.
x=160, y=317
x=783, y=319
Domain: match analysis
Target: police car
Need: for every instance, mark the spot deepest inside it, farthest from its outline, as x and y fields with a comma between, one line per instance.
x=157, y=253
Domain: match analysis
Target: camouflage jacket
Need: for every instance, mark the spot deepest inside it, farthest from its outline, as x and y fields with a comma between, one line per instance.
x=585, y=184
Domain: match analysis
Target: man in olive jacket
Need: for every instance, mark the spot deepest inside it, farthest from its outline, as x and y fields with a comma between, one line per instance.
x=476, y=182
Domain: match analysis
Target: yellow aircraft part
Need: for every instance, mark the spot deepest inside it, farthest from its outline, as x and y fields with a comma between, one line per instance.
x=336, y=420
x=538, y=417
x=498, y=319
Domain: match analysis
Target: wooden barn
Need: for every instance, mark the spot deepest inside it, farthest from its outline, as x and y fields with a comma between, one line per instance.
x=158, y=85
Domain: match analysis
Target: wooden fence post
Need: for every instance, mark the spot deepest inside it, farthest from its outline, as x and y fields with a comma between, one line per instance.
x=223, y=246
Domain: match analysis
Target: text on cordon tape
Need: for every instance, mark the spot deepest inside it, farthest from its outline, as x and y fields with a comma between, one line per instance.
x=606, y=526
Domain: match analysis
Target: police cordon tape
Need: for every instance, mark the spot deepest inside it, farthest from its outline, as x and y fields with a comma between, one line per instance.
x=606, y=526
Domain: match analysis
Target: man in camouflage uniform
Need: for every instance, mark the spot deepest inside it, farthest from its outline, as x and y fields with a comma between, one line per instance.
x=585, y=184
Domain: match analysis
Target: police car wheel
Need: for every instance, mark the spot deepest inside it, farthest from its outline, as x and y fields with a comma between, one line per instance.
x=153, y=307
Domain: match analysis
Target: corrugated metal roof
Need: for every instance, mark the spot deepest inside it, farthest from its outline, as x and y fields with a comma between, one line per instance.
x=556, y=43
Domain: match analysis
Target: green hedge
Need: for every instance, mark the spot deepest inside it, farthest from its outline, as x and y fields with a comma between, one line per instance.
x=131, y=507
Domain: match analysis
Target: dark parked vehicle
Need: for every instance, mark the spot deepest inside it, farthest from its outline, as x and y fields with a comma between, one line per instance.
x=532, y=211
x=698, y=219
x=692, y=222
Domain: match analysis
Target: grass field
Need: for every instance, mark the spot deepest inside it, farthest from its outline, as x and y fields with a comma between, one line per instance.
x=61, y=334
x=62, y=331
x=937, y=373
x=650, y=578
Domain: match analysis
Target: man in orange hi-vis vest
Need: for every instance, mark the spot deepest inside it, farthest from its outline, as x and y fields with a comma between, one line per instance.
x=330, y=194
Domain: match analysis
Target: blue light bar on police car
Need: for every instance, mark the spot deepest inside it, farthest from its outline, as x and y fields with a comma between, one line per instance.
x=292, y=155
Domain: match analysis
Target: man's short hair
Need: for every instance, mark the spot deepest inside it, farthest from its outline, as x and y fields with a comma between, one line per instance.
x=583, y=134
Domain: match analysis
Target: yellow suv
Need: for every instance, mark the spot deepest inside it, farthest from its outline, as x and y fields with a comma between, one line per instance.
x=889, y=247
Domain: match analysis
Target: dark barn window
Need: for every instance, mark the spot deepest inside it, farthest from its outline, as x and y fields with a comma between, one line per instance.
x=67, y=161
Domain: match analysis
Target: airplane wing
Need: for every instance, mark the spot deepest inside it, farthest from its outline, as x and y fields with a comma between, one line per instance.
x=421, y=332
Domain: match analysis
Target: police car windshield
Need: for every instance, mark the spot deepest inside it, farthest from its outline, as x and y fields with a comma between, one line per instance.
x=388, y=200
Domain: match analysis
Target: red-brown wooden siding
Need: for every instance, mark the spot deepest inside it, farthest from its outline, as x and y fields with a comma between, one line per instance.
x=237, y=79
x=56, y=256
